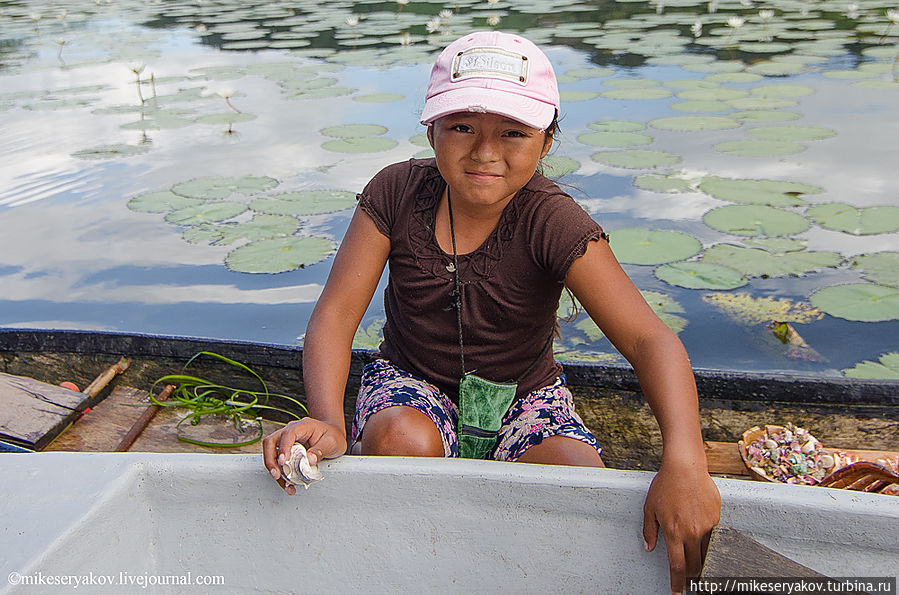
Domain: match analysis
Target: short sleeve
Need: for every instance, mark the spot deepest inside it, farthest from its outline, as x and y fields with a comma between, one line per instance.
x=561, y=230
x=382, y=195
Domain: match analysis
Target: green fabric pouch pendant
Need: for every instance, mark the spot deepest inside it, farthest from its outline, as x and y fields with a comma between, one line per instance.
x=482, y=406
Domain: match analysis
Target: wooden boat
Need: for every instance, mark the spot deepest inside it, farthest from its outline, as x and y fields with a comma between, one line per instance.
x=392, y=524
x=842, y=413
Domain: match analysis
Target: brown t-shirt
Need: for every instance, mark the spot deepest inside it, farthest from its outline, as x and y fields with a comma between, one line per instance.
x=510, y=285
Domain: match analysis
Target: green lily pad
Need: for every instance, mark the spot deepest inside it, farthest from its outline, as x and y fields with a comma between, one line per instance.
x=161, y=201
x=660, y=183
x=226, y=118
x=359, y=145
x=790, y=133
x=700, y=275
x=756, y=262
x=305, y=202
x=556, y=166
x=665, y=307
x=639, y=93
x=614, y=139
x=759, y=148
x=279, y=255
x=776, y=245
x=755, y=220
x=747, y=310
x=782, y=90
x=378, y=98
x=694, y=123
x=617, y=126
x=879, y=267
x=701, y=107
x=354, y=130
x=716, y=94
x=765, y=116
x=160, y=123
x=636, y=158
x=846, y=218
x=369, y=337
x=577, y=95
x=208, y=212
x=761, y=103
x=864, y=302
x=260, y=227
x=886, y=369
x=733, y=77
x=215, y=188
x=774, y=193
x=639, y=245
x=111, y=151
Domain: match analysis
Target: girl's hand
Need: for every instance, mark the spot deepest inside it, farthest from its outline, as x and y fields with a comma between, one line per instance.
x=684, y=501
x=322, y=441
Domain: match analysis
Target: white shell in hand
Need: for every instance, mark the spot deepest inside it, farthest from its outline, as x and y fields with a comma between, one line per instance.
x=297, y=470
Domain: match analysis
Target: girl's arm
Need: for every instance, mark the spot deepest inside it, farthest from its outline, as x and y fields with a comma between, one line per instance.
x=682, y=499
x=328, y=344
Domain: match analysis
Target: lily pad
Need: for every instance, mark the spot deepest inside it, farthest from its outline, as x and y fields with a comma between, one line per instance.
x=755, y=220
x=279, y=255
x=701, y=107
x=222, y=187
x=111, y=151
x=694, y=123
x=660, y=183
x=556, y=166
x=879, y=267
x=369, y=337
x=666, y=308
x=776, y=245
x=359, y=145
x=886, y=369
x=161, y=201
x=846, y=218
x=759, y=148
x=305, y=202
x=757, y=262
x=636, y=158
x=617, y=126
x=638, y=93
x=790, y=133
x=745, y=309
x=614, y=139
x=638, y=245
x=226, y=118
x=260, y=227
x=208, y=212
x=774, y=193
x=354, y=130
x=378, y=98
x=700, y=275
x=864, y=302
x=577, y=95
x=765, y=116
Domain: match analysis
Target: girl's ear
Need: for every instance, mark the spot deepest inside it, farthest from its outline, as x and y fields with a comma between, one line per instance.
x=431, y=135
x=547, y=144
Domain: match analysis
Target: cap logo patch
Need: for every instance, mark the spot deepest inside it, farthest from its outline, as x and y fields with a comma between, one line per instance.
x=493, y=63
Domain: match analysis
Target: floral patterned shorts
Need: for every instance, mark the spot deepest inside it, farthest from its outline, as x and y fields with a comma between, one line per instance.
x=548, y=411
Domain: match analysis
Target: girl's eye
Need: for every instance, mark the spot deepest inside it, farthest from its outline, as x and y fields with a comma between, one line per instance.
x=516, y=133
x=460, y=128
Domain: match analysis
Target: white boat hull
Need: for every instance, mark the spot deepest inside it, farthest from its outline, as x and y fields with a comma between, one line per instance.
x=390, y=525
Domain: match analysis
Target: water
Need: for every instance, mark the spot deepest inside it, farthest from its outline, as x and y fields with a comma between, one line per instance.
x=73, y=255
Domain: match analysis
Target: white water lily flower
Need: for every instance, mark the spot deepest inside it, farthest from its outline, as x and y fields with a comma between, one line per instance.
x=433, y=25
x=446, y=14
x=713, y=6
x=405, y=38
x=352, y=20
x=735, y=22
x=746, y=3
x=766, y=14
x=696, y=28
x=225, y=92
x=493, y=20
x=138, y=69
x=893, y=16
x=852, y=10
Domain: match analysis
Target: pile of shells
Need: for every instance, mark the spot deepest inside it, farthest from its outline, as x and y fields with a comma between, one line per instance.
x=789, y=454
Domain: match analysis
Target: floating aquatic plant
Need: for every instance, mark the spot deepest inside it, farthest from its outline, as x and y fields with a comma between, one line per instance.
x=700, y=275
x=305, y=202
x=864, y=302
x=260, y=227
x=636, y=158
x=369, y=337
x=887, y=368
x=279, y=255
x=643, y=246
x=694, y=123
x=757, y=262
x=111, y=151
x=775, y=193
x=755, y=220
x=760, y=148
x=556, y=166
x=614, y=139
x=879, y=267
x=663, y=183
x=849, y=219
x=747, y=310
x=215, y=188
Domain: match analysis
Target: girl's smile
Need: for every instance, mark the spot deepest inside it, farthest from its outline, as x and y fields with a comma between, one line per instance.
x=486, y=158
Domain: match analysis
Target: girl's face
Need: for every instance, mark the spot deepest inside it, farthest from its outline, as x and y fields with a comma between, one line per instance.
x=486, y=158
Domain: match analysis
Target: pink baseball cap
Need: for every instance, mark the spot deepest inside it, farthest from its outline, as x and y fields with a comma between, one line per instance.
x=493, y=72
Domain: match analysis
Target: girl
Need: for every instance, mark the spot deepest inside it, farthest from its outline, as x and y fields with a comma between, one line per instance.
x=480, y=248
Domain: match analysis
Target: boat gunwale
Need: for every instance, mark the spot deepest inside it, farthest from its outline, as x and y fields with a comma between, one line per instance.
x=717, y=385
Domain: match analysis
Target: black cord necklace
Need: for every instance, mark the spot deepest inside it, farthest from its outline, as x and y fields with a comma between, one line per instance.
x=457, y=286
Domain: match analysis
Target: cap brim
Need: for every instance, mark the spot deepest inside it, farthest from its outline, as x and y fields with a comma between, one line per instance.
x=533, y=112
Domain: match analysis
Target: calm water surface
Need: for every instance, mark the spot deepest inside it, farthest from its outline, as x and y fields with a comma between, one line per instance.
x=74, y=255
